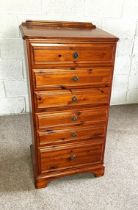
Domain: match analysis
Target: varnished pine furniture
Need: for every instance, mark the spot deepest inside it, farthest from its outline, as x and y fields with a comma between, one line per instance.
x=70, y=70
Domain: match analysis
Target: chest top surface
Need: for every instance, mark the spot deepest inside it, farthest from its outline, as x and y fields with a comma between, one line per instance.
x=80, y=31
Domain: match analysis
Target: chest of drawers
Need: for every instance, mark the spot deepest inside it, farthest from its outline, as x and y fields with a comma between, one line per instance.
x=70, y=69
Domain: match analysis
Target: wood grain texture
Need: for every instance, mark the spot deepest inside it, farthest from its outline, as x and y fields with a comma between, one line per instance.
x=70, y=134
x=70, y=71
x=70, y=78
x=72, y=53
x=72, y=34
x=44, y=179
x=45, y=99
x=61, y=157
x=74, y=117
x=58, y=24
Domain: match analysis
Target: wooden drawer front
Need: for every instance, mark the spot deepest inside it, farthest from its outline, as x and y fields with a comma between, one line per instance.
x=62, y=158
x=71, y=117
x=69, y=78
x=68, y=54
x=49, y=99
x=70, y=134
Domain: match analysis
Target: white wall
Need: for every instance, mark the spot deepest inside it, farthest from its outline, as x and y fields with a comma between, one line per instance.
x=119, y=17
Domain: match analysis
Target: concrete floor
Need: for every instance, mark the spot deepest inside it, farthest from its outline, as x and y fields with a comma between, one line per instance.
x=116, y=190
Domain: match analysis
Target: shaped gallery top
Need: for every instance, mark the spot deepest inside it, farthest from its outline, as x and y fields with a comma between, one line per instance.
x=64, y=30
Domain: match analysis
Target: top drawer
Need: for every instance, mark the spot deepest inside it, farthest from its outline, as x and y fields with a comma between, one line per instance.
x=66, y=54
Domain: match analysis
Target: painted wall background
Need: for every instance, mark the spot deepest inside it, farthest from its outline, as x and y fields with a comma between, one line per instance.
x=119, y=17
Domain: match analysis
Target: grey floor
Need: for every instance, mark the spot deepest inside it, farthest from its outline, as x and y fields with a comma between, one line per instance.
x=117, y=190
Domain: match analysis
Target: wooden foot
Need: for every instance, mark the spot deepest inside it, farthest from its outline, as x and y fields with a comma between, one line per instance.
x=41, y=183
x=99, y=171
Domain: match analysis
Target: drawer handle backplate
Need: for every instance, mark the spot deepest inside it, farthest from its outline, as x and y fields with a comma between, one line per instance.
x=75, y=55
x=74, y=134
x=72, y=157
x=74, y=99
x=75, y=78
x=74, y=118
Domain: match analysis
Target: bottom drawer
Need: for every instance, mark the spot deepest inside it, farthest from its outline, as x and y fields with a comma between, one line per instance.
x=75, y=155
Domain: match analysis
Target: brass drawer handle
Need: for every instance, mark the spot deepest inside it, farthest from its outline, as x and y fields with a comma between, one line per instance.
x=74, y=99
x=72, y=157
x=75, y=78
x=74, y=134
x=75, y=55
x=74, y=118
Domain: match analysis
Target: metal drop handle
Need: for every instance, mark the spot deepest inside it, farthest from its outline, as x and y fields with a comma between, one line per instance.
x=72, y=157
x=74, y=118
x=75, y=78
x=74, y=134
x=74, y=99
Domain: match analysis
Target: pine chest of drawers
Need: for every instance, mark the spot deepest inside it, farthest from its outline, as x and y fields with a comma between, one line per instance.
x=70, y=70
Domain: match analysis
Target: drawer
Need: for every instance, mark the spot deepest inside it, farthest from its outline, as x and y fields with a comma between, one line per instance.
x=63, y=78
x=44, y=53
x=49, y=99
x=71, y=156
x=70, y=134
x=71, y=117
